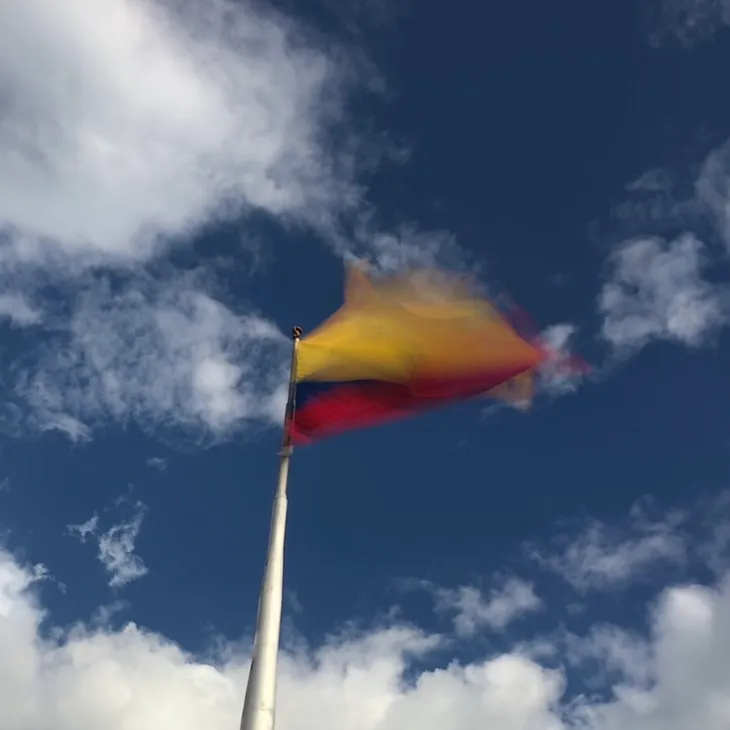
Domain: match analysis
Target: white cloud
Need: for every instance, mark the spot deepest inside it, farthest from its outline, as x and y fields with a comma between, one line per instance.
x=127, y=128
x=104, y=613
x=410, y=247
x=126, y=125
x=85, y=529
x=688, y=675
x=609, y=557
x=713, y=188
x=612, y=652
x=675, y=678
x=116, y=546
x=116, y=552
x=156, y=462
x=45, y=421
x=713, y=524
x=130, y=126
x=604, y=557
x=18, y=310
x=164, y=354
x=656, y=180
x=474, y=611
x=558, y=374
x=656, y=290
x=136, y=119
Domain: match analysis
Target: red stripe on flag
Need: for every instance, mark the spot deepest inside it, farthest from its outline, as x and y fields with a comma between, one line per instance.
x=330, y=408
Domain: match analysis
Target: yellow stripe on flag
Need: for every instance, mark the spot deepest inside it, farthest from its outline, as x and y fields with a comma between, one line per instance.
x=418, y=324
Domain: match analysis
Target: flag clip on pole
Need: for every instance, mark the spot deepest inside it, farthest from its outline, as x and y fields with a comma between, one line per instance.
x=259, y=704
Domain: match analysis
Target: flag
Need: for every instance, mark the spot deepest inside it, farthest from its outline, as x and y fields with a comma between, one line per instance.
x=403, y=344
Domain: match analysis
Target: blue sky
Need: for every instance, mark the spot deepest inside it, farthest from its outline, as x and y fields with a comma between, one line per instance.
x=180, y=185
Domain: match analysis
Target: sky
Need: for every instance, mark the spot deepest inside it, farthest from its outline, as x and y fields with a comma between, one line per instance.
x=182, y=183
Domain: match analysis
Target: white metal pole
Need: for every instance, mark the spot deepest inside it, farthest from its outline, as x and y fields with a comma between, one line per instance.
x=259, y=704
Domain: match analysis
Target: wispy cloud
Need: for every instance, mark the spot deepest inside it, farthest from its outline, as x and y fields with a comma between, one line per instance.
x=103, y=615
x=408, y=246
x=165, y=355
x=608, y=652
x=16, y=308
x=116, y=551
x=116, y=546
x=473, y=610
x=713, y=524
x=713, y=189
x=85, y=530
x=156, y=462
x=597, y=556
x=657, y=290
x=655, y=180
x=603, y=557
x=558, y=374
x=687, y=22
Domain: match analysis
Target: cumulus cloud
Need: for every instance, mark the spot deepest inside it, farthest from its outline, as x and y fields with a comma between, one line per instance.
x=166, y=355
x=473, y=611
x=139, y=120
x=677, y=677
x=116, y=546
x=691, y=627
x=129, y=127
x=657, y=290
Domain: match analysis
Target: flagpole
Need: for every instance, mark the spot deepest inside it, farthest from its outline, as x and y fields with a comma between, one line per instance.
x=259, y=704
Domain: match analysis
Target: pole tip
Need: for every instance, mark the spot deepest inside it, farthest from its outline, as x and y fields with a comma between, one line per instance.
x=296, y=333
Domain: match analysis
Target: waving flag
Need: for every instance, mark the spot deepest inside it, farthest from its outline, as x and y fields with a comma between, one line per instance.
x=397, y=346
x=403, y=344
